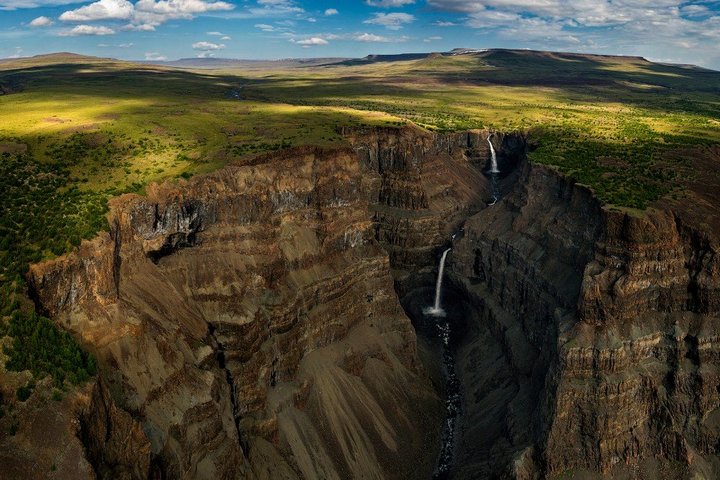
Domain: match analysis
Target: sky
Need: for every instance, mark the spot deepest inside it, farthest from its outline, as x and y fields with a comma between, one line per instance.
x=660, y=30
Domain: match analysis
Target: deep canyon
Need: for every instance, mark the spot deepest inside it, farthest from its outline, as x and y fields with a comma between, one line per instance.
x=266, y=320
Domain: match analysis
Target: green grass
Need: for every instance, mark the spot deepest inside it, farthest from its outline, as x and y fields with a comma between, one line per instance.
x=77, y=131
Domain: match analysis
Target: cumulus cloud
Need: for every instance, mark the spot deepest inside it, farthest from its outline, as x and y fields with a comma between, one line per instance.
x=371, y=37
x=207, y=46
x=392, y=21
x=80, y=30
x=331, y=11
x=389, y=3
x=312, y=41
x=100, y=10
x=41, y=22
x=144, y=15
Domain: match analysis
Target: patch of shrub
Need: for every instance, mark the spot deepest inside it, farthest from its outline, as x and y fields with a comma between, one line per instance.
x=39, y=346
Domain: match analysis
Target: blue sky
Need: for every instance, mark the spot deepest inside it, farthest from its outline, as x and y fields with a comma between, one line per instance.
x=662, y=30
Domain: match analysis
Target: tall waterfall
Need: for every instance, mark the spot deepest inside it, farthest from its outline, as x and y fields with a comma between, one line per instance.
x=493, y=157
x=436, y=310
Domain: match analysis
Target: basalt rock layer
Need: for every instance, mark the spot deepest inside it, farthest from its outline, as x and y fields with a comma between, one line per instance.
x=248, y=323
x=608, y=322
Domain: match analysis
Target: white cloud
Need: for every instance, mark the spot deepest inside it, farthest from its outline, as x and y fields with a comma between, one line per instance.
x=226, y=37
x=41, y=22
x=144, y=15
x=311, y=41
x=444, y=23
x=371, y=37
x=18, y=4
x=155, y=57
x=331, y=11
x=180, y=8
x=140, y=27
x=265, y=27
x=100, y=10
x=694, y=10
x=392, y=21
x=215, y=34
x=389, y=3
x=87, y=30
x=207, y=46
x=432, y=39
x=268, y=9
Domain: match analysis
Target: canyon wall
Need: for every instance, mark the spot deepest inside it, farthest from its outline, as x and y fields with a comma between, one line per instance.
x=607, y=321
x=248, y=323
x=246, y=320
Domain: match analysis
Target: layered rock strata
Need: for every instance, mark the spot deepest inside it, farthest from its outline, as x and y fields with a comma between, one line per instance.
x=247, y=327
x=606, y=321
x=247, y=322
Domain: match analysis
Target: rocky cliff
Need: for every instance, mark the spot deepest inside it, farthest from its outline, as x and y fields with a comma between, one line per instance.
x=595, y=328
x=248, y=322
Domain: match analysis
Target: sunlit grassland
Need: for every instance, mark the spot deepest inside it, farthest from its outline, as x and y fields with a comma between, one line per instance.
x=607, y=121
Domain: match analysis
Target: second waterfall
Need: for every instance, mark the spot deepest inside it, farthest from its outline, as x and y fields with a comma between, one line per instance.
x=436, y=310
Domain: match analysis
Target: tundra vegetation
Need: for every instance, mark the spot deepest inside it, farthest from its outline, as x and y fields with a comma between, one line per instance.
x=77, y=131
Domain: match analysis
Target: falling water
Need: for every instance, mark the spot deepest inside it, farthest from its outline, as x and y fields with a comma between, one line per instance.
x=436, y=310
x=493, y=157
x=453, y=400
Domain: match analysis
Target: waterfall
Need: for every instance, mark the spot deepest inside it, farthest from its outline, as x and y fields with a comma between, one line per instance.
x=436, y=310
x=493, y=156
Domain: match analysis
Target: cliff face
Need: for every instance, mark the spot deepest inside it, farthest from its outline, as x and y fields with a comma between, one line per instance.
x=607, y=322
x=246, y=320
x=519, y=265
x=640, y=369
x=248, y=323
x=426, y=185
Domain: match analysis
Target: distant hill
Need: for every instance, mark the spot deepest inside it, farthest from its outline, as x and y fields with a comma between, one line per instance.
x=216, y=63
x=491, y=56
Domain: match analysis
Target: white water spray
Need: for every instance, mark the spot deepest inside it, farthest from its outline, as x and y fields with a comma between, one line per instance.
x=493, y=156
x=436, y=310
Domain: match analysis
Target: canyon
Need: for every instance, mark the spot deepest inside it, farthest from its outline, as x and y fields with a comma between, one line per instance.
x=266, y=320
